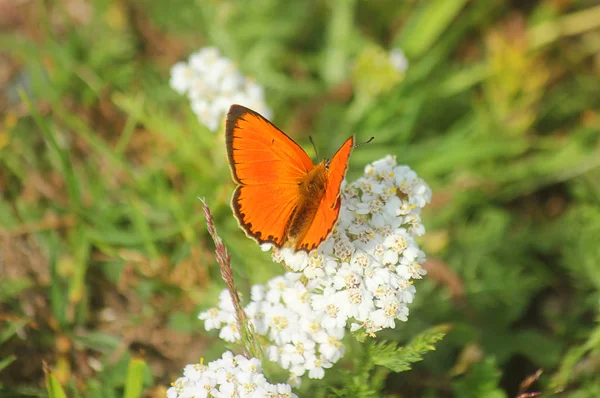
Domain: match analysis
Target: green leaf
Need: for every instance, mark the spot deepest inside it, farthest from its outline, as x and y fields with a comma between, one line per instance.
x=572, y=359
x=135, y=378
x=143, y=228
x=580, y=229
x=184, y=323
x=399, y=359
x=481, y=381
x=339, y=38
x=427, y=25
x=9, y=329
x=98, y=341
x=58, y=294
x=53, y=386
x=81, y=250
x=73, y=187
x=539, y=347
x=11, y=288
x=7, y=361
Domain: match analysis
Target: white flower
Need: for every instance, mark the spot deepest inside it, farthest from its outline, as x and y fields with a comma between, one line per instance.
x=334, y=306
x=211, y=318
x=279, y=391
x=230, y=332
x=281, y=321
x=331, y=348
x=213, y=83
x=230, y=376
x=398, y=60
x=316, y=367
x=181, y=77
x=222, y=317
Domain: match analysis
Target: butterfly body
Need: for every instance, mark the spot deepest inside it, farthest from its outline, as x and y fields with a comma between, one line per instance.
x=311, y=190
x=282, y=198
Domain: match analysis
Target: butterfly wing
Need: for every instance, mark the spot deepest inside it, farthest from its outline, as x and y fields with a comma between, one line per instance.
x=267, y=165
x=329, y=208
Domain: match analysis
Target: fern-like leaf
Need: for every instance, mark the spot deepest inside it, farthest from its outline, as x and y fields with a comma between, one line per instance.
x=399, y=358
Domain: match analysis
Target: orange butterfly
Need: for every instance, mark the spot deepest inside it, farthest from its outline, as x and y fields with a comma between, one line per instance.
x=282, y=198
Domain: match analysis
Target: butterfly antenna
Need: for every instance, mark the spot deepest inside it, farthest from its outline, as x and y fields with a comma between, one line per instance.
x=314, y=146
x=363, y=143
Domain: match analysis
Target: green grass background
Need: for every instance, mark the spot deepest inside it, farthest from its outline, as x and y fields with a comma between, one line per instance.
x=104, y=256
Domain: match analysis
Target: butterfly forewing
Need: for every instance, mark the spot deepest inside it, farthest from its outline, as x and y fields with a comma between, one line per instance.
x=268, y=165
x=260, y=153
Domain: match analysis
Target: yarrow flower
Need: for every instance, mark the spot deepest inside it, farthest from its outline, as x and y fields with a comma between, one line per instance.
x=281, y=311
x=360, y=277
x=230, y=376
x=363, y=272
x=213, y=83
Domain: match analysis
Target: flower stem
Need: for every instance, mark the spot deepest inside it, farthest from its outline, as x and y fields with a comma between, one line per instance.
x=253, y=348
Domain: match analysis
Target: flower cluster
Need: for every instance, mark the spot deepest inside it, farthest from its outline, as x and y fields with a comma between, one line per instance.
x=301, y=340
x=230, y=376
x=376, y=71
x=363, y=271
x=213, y=83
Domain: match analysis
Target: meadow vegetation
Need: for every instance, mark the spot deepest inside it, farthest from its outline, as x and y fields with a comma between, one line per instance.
x=105, y=258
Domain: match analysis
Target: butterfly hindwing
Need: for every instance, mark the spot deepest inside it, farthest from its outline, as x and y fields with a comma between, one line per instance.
x=261, y=211
x=329, y=208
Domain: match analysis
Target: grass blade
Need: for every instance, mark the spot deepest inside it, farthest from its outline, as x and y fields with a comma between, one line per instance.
x=135, y=378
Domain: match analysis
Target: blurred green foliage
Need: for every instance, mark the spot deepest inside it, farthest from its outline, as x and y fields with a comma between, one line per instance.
x=104, y=256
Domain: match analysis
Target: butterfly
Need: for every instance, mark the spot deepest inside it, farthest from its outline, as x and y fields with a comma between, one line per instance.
x=281, y=197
